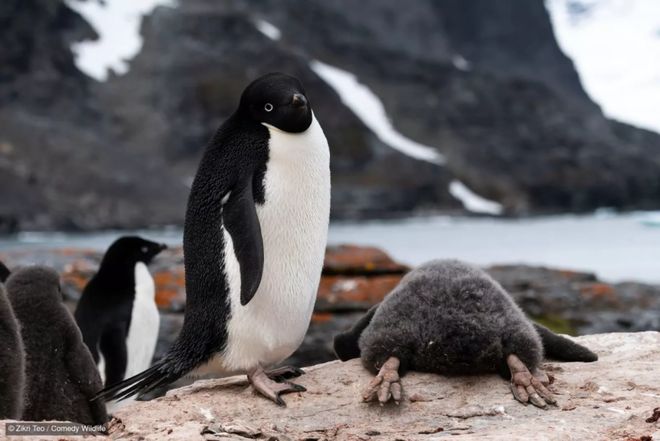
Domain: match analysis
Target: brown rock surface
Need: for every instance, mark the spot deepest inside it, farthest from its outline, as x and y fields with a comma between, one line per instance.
x=607, y=400
x=352, y=259
x=354, y=292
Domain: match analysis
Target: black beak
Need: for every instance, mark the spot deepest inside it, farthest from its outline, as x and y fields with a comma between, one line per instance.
x=163, y=246
x=298, y=100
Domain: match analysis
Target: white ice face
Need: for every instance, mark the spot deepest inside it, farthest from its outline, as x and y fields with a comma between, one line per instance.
x=117, y=22
x=615, y=46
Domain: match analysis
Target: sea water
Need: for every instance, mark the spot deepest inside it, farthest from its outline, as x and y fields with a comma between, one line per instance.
x=616, y=247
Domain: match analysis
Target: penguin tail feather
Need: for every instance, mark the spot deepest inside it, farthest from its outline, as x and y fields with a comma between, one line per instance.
x=157, y=375
x=560, y=348
x=346, y=344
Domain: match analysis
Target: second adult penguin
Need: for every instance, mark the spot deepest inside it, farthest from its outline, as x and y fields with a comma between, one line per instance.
x=117, y=311
x=254, y=241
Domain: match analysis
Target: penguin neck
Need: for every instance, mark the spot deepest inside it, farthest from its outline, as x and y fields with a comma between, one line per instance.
x=117, y=275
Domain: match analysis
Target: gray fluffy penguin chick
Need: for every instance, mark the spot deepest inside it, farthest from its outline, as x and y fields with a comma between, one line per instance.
x=451, y=318
x=12, y=361
x=61, y=376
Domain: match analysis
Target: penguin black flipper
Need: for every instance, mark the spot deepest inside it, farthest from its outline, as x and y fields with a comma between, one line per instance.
x=240, y=219
x=113, y=341
x=559, y=348
x=4, y=273
x=346, y=344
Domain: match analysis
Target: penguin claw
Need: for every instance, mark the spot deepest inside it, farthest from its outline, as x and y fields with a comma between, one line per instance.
x=386, y=385
x=526, y=387
x=297, y=387
x=271, y=389
x=284, y=373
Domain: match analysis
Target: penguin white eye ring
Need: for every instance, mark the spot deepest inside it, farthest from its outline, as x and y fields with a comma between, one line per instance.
x=268, y=107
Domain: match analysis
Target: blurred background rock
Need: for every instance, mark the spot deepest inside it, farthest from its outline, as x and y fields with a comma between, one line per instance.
x=92, y=137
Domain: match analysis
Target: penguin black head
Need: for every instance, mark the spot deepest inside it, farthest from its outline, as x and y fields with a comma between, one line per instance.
x=131, y=250
x=4, y=272
x=278, y=100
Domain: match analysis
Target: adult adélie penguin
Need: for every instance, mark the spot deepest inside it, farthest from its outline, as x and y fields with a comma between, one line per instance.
x=254, y=241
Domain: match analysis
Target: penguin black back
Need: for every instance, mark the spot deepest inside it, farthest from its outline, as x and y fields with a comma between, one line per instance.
x=104, y=311
x=61, y=376
x=12, y=361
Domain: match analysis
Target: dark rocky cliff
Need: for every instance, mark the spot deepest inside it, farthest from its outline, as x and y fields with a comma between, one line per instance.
x=484, y=82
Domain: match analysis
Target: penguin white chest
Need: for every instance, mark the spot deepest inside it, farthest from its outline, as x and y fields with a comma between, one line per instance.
x=143, y=330
x=294, y=228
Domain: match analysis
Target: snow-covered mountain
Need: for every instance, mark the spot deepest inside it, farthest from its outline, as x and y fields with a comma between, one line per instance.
x=615, y=45
x=450, y=106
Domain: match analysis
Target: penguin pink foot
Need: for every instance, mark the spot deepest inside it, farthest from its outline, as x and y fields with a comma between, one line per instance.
x=386, y=385
x=284, y=373
x=260, y=381
x=526, y=387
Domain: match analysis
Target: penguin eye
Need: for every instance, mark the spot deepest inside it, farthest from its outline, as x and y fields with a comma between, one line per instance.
x=268, y=107
x=144, y=250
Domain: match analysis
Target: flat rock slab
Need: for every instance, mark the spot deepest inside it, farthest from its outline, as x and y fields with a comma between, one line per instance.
x=611, y=399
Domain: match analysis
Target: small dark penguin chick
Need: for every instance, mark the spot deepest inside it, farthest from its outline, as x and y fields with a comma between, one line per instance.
x=12, y=361
x=61, y=376
x=451, y=318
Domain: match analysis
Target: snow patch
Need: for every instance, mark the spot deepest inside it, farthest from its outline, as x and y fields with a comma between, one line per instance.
x=616, y=50
x=268, y=29
x=472, y=201
x=461, y=63
x=369, y=108
x=117, y=22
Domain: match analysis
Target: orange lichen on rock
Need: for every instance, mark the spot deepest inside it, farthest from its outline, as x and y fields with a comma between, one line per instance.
x=76, y=280
x=321, y=317
x=353, y=259
x=599, y=291
x=170, y=288
x=355, y=291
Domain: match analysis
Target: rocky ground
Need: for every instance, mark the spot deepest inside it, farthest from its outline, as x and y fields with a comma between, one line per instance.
x=615, y=398
x=354, y=278
x=486, y=85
